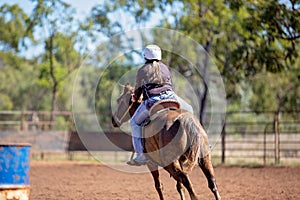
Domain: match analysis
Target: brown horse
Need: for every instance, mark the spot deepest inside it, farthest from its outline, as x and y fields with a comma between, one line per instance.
x=174, y=140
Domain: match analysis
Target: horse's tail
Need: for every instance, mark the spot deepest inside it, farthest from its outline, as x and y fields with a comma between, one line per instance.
x=197, y=140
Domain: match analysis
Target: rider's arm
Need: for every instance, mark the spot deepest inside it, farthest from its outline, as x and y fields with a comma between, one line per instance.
x=138, y=86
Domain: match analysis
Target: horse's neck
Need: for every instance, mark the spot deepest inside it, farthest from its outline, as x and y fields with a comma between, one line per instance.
x=135, y=105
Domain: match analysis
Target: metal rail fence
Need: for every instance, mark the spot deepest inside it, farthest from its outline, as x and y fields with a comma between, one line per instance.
x=35, y=120
x=247, y=137
x=261, y=137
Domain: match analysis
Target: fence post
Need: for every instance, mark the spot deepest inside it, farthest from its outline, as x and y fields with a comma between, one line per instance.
x=22, y=121
x=277, y=145
x=265, y=144
x=223, y=142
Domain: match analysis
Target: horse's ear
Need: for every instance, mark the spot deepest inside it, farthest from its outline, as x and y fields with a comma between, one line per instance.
x=125, y=89
x=129, y=87
x=122, y=87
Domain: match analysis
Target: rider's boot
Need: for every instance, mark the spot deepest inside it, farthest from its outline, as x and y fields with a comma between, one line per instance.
x=140, y=158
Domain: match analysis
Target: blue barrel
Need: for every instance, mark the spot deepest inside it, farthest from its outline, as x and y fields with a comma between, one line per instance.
x=14, y=171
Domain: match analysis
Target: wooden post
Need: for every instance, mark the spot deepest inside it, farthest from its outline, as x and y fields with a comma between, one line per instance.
x=116, y=156
x=70, y=155
x=277, y=134
x=223, y=143
x=23, y=121
x=265, y=144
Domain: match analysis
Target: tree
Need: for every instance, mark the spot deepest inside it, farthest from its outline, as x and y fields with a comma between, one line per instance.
x=60, y=58
x=18, y=84
x=201, y=20
x=13, y=32
x=271, y=36
x=280, y=91
x=104, y=94
x=246, y=37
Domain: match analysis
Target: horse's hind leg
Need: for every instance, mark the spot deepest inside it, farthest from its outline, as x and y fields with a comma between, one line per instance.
x=155, y=174
x=180, y=190
x=207, y=168
x=179, y=186
x=181, y=177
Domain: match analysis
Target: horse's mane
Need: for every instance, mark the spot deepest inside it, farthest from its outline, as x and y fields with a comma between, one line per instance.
x=127, y=87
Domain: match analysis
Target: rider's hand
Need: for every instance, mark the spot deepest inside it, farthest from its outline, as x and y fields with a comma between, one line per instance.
x=133, y=99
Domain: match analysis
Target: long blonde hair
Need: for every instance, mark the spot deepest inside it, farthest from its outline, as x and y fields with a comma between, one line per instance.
x=156, y=73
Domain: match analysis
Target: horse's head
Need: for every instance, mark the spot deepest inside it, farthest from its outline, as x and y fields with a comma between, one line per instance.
x=125, y=108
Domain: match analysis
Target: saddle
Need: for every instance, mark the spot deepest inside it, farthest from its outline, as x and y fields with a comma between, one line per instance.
x=161, y=105
x=162, y=114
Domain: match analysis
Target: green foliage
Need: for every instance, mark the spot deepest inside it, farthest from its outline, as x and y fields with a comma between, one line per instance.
x=255, y=45
x=271, y=39
x=13, y=31
x=5, y=102
x=275, y=91
x=60, y=58
x=53, y=15
x=65, y=60
x=246, y=37
x=104, y=99
x=38, y=77
x=17, y=77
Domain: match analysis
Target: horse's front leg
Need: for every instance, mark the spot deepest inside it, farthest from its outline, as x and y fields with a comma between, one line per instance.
x=155, y=174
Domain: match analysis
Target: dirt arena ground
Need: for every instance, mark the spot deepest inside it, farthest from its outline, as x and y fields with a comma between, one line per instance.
x=75, y=180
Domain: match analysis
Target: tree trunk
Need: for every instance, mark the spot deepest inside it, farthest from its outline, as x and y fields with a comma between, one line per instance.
x=203, y=104
x=205, y=76
x=53, y=102
x=55, y=83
